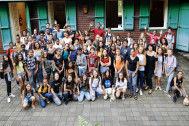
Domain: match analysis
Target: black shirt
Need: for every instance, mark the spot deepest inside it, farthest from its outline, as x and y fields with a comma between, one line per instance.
x=56, y=85
x=107, y=82
x=150, y=62
x=58, y=62
x=132, y=63
x=83, y=87
x=68, y=85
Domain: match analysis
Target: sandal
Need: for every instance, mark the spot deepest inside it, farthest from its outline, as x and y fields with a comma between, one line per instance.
x=150, y=92
x=135, y=97
x=156, y=88
x=146, y=88
x=131, y=95
x=160, y=88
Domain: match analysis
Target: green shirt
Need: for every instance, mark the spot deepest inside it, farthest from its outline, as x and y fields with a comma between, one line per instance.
x=20, y=67
x=45, y=63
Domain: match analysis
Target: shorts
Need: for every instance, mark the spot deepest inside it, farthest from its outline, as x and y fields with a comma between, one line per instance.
x=27, y=99
x=20, y=75
x=48, y=71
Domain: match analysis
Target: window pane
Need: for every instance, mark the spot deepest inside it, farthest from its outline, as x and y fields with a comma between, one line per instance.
x=114, y=12
x=157, y=13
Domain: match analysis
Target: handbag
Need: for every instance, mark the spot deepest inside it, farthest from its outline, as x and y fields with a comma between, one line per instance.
x=186, y=101
x=2, y=75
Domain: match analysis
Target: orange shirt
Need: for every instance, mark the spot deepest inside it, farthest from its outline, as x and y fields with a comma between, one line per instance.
x=118, y=62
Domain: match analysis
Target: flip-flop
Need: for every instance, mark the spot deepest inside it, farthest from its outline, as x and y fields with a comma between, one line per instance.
x=135, y=97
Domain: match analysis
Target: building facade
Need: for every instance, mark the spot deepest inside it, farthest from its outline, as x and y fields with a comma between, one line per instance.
x=121, y=15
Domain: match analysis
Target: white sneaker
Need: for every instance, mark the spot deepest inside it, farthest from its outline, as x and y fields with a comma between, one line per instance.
x=141, y=92
x=123, y=97
x=8, y=100
x=105, y=97
x=168, y=94
x=12, y=95
x=137, y=90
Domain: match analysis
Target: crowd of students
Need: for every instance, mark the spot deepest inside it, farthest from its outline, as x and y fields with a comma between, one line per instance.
x=88, y=68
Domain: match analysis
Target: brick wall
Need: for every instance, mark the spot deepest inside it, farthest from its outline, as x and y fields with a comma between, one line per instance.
x=83, y=21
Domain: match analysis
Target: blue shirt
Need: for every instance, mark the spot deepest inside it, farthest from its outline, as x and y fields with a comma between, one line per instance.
x=59, y=34
x=51, y=29
x=73, y=55
x=125, y=52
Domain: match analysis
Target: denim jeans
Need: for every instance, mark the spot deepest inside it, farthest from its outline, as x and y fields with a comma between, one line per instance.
x=81, y=71
x=39, y=77
x=132, y=81
x=8, y=85
x=169, y=79
x=46, y=95
x=84, y=94
x=140, y=78
x=32, y=79
x=97, y=91
x=175, y=91
x=103, y=69
x=59, y=95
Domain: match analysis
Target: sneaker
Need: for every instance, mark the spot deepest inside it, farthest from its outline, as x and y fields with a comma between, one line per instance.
x=47, y=100
x=156, y=88
x=137, y=90
x=167, y=94
x=12, y=95
x=105, y=97
x=160, y=88
x=8, y=100
x=174, y=99
x=123, y=97
x=141, y=92
x=18, y=86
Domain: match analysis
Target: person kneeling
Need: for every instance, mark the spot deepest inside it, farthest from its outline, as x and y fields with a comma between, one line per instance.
x=179, y=89
x=121, y=86
x=69, y=89
x=29, y=96
x=44, y=93
x=108, y=84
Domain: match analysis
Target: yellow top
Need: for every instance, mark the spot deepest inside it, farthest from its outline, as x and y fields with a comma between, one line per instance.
x=45, y=90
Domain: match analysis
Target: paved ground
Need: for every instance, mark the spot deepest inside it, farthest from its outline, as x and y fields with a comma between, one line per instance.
x=155, y=109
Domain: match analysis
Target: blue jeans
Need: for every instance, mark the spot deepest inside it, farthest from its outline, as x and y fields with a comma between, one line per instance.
x=32, y=79
x=81, y=71
x=97, y=91
x=27, y=99
x=84, y=94
x=59, y=95
x=103, y=69
x=132, y=81
x=169, y=79
x=39, y=77
x=46, y=95
x=140, y=78
x=48, y=71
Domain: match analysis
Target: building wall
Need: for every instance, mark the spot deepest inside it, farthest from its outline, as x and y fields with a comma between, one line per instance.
x=1, y=45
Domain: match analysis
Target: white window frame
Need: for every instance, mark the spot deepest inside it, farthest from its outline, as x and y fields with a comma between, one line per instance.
x=165, y=11
x=114, y=29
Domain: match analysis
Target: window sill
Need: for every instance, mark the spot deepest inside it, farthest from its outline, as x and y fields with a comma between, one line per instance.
x=157, y=28
x=115, y=29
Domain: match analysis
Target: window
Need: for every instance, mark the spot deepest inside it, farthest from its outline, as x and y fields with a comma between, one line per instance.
x=114, y=14
x=158, y=14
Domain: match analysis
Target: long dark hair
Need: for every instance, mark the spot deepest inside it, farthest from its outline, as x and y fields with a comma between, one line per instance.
x=35, y=47
x=102, y=56
x=16, y=60
x=98, y=48
x=86, y=81
x=6, y=63
x=109, y=77
x=120, y=79
x=166, y=43
x=72, y=82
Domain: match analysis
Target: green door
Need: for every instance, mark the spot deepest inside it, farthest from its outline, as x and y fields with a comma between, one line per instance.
x=183, y=28
x=42, y=15
x=5, y=25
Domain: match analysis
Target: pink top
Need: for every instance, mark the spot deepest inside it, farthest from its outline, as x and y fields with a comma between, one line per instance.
x=153, y=37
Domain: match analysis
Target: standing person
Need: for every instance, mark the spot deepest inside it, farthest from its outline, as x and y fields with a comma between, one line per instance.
x=48, y=27
x=152, y=36
x=112, y=55
x=23, y=51
x=83, y=88
x=85, y=50
x=170, y=65
x=69, y=89
x=59, y=34
x=73, y=54
x=90, y=44
x=55, y=86
x=125, y=50
x=118, y=62
x=108, y=36
x=107, y=84
x=44, y=93
x=66, y=39
x=100, y=49
x=18, y=43
x=132, y=65
x=10, y=50
x=129, y=38
x=160, y=68
x=58, y=63
x=31, y=68
x=92, y=60
x=57, y=44
x=70, y=33
x=46, y=70
x=98, y=30
x=86, y=35
x=65, y=54
x=143, y=39
x=95, y=85
x=81, y=62
x=164, y=46
x=170, y=38
x=35, y=34
x=43, y=41
x=29, y=95
x=121, y=86
x=24, y=35
x=142, y=63
x=179, y=89
x=19, y=71
x=7, y=70
x=105, y=61
x=151, y=67
x=26, y=43
x=50, y=52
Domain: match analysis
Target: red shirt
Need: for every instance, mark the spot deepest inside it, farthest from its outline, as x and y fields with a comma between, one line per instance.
x=11, y=51
x=105, y=60
x=98, y=32
x=92, y=60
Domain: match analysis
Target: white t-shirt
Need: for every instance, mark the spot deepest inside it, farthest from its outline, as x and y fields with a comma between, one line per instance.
x=55, y=46
x=67, y=40
x=121, y=83
x=95, y=82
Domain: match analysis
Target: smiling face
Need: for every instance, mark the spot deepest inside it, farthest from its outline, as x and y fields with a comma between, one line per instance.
x=179, y=74
x=160, y=51
x=56, y=76
x=120, y=76
x=20, y=57
x=69, y=78
x=5, y=58
x=45, y=82
x=95, y=74
x=132, y=52
x=28, y=87
x=30, y=53
x=105, y=52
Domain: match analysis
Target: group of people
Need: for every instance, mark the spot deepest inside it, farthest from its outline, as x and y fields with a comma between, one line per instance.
x=63, y=65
